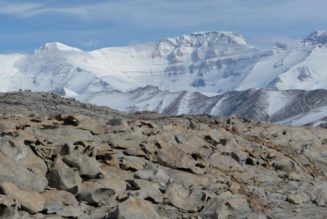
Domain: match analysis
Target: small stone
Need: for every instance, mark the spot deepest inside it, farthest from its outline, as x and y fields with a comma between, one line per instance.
x=234, y=187
x=320, y=196
x=238, y=203
x=297, y=198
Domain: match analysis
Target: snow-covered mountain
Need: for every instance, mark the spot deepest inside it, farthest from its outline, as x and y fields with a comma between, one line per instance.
x=206, y=62
x=296, y=107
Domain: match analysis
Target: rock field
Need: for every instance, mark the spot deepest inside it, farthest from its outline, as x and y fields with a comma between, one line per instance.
x=63, y=159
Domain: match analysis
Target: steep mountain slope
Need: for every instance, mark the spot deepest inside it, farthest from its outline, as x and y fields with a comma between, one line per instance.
x=206, y=62
x=48, y=68
x=295, y=107
x=186, y=62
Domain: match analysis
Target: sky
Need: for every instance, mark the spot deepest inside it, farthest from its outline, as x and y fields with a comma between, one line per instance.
x=91, y=24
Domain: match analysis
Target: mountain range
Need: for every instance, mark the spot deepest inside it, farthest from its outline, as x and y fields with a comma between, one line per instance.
x=218, y=73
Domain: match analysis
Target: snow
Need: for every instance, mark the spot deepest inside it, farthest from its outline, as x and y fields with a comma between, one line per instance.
x=306, y=118
x=183, y=106
x=58, y=46
x=316, y=67
x=138, y=100
x=269, y=68
x=224, y=61
x=216, y=110
x=276, y=101
x=317, y=37
x=70, y=93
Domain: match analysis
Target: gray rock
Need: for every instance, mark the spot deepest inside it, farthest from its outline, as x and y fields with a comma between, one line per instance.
x=32, y=201
x=62, y=177
x=148, y=190
x=298, y=198
x=134, y=208
x=55, y=200
x=188, y=200
x=150, y=166
x=154, y=174
x=320, y=196
x=95, y=193
x=72, y=212
x=24, y=178
x=9, y=208
x=86, y=166
x=104, y=212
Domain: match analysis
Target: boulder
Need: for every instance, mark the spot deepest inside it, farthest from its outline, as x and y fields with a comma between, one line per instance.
x=176, y=158
x=24, y=178
x=32, y=201
x=319, y=196
x=148, y=190
x=238, y=203
x=186, y=199
x=224, y=162
x=71, y=212
x=16, y=150
x=62, y=177
x=96, y=127
x=8, y=208
x=134, y=208
x=86, y=166
x=298, y=198
x=97, y=194
x=55, y=200
x=104, y=212
x=118, y=185
x=154, y=174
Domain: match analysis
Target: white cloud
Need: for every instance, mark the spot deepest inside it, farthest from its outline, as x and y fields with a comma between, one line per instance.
x=36, y=9
x=181, y=13
x=192, y=12
x=18, y=9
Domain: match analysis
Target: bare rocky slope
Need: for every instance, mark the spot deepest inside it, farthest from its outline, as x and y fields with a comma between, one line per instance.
x=63, y=159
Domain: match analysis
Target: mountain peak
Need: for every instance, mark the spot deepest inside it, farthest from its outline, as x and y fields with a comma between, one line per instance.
x=57, y=46
x=210, y=38
x=317, y=37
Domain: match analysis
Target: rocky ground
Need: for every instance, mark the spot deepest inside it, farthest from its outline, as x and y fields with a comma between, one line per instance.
x=63, y=159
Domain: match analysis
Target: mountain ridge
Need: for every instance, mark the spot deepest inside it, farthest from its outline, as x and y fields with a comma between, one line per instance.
x=284, y=107
x=205, y=62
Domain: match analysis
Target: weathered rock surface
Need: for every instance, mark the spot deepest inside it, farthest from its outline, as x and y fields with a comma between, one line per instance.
x=32, y=201
x=134, y=208
x=63, y=159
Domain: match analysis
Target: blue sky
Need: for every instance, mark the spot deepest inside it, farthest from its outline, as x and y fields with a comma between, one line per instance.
x=26, y=25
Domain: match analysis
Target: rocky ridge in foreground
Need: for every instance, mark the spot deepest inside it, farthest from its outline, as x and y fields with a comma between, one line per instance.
x=64, y=159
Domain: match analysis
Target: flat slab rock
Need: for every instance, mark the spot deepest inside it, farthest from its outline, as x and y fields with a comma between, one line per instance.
x=63, y=159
